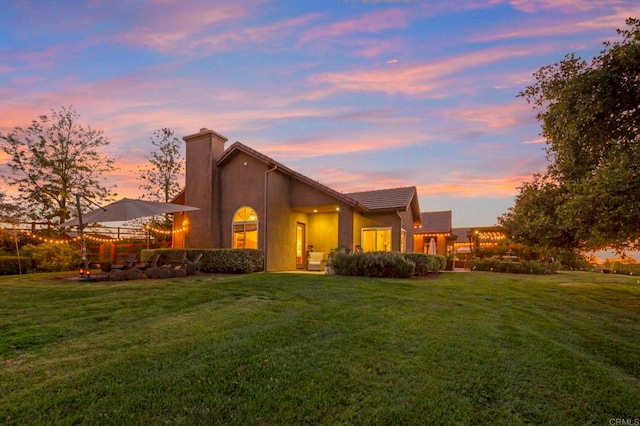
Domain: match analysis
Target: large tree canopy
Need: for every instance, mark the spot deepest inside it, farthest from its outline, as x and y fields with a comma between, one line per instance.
x=52, y=160
x=590, y=116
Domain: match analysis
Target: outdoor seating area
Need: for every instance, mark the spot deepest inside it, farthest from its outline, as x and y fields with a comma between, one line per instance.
x=135, y=269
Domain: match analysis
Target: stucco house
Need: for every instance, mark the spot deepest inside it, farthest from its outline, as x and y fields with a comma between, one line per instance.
x=248, y=200
x=436, y=225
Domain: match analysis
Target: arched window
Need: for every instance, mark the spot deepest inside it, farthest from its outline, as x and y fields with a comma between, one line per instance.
x=245, y=228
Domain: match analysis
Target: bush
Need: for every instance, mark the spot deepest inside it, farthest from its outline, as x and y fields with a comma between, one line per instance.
x=619, y=267
x=12, y=265
x=523, y=267
x=49, y=257
x=426, y=263
x=373, y=264
x=223, y=261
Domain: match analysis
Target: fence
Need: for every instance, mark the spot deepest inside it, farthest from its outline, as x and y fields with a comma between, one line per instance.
x=103, y=243
x=115, y=253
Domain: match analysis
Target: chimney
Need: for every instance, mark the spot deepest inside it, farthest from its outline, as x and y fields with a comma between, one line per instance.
x=202, y=185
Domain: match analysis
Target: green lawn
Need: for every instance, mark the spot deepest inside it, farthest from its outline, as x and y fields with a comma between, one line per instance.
x=463, y=348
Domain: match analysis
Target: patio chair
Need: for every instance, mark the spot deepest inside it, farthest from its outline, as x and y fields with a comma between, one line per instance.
x=193, y=267
x=152, y=262
x=129, y=262
x=315, y=261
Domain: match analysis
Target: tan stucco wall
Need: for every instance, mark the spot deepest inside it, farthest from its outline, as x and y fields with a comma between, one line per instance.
x=303, y=195
x=345, y=227
x=201, y=190
x=280, y=232
x=407, y=225
x=242, y=184
x=383, y=220
x=322, y=232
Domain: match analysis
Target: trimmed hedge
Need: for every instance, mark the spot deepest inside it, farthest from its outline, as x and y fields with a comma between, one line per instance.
x=426, y=263
x=222, y=261
x=523, y=267
x=372, y=264
x=11, y=265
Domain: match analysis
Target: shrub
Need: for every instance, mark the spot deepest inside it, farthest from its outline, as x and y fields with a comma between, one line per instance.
x=523, y=267
x=619, y=267
x=12, y=265
x=426, y=263
x=49, y=257
x=373, y=264
x=224, y=261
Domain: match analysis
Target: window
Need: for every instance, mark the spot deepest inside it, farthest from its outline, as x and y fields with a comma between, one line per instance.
x=403, y=241
x=376, y=239
x=245, y=228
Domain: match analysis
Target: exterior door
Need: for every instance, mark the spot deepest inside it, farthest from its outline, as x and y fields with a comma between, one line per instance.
x=301, y=255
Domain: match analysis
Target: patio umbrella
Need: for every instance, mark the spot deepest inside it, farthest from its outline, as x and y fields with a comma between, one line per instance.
x=127, y=209
x=432, y=246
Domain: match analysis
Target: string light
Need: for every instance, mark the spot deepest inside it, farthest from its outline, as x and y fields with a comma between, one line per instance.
x=48, y=239
x=102, y=239
x=72, y=239
x=184, y=228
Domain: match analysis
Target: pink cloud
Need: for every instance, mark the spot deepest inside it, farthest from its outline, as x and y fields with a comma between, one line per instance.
x=494, y=117
x=464, y=185
x=415, y=79
x=181, y=25
x=532, y=6
x=262, y=33
x=371, y=23
x=470, y=185
x=563, y=25
x=535, y=141
x=320, y=147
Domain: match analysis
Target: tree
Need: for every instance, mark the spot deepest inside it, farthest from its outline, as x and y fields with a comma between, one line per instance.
x=590, y=115
x=537, y=219
x=52, y=160
x=160, y=180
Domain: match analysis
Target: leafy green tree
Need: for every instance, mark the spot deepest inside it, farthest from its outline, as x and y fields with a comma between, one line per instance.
x=52, y=160
x=160, y=180
x=537, y=219
x=590, y=116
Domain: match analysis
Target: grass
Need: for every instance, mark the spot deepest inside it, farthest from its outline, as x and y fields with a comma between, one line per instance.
x=464, y=348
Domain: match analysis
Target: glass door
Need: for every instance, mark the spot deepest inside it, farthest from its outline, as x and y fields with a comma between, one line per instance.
x=301, y=255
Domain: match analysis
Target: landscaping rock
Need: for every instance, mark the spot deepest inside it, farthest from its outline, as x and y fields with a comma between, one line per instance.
x=176, y=273
x=133, y=274
x=153, y=273
x=117, y=275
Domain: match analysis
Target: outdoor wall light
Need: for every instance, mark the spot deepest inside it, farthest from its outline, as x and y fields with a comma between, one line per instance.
x=315, y=210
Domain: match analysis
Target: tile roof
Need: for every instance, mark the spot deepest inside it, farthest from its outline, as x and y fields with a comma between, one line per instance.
x=385, y=199
x=434, y=222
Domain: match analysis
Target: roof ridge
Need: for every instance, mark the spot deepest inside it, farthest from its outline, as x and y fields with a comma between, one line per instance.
x=384, y=189
x=271, y=162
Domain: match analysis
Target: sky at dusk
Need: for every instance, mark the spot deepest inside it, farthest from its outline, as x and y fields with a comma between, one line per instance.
x=357, y=94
